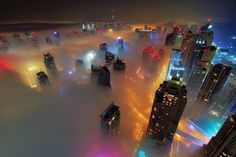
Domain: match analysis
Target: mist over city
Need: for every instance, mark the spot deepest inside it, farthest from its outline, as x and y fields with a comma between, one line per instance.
x=118, y=82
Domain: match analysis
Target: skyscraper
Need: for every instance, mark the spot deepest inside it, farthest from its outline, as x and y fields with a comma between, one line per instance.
x=207, y=34
x=203, y=56
x=187, y=47
x=104, y=77
x=175, y=68
x=175, y=37
x=195, y=80
x=197, y=48
x=110, y=120
x=168, y=106
x=224, y=143
x=212, y=84
x=50, y=64
x=207, y=54
x=222, y=103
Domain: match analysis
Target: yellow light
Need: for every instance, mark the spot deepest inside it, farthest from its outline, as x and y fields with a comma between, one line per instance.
x=33, y=68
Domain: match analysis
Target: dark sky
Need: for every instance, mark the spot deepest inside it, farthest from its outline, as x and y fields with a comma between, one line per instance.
x=21, y=10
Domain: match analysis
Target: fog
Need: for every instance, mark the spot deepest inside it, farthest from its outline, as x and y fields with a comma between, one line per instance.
x=63, y=120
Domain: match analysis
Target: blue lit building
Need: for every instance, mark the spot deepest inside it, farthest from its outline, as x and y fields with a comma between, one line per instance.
x=175, y=68
x=226, y=56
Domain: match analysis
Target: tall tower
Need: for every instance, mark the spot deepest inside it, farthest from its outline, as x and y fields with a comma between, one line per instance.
x=224, y=143
x=168, y=106
x=211, y=86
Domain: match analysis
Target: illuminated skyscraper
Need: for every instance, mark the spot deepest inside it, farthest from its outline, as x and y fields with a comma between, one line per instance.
x=168, y=106
x=224, y=143
x=175, y=68
x=212, y=84
x=110, y=120
x=226, y=56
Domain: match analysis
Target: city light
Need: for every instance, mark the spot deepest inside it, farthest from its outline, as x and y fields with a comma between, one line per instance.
x=31, y=76
x=141, y=153
x=91, y=55
x=110, y=30
x=119, y=38
x=210, y=26
x=146, y=72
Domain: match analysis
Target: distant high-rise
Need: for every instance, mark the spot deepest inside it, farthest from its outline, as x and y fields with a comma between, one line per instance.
x=168, y=106
x=224, y=143
x=110, y=120
x=212, y=84
x=50, y=64
x=104, y=76
x=174, y=37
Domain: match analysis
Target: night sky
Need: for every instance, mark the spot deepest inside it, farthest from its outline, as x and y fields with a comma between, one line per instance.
x=32, y=10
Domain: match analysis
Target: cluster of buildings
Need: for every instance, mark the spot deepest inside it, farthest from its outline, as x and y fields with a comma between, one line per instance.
x=193, y=79
x=191, y=69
